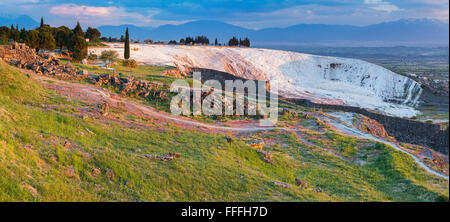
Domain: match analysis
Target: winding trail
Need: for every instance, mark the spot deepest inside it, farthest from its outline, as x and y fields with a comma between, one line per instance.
x=344, y=125
x=94, y=95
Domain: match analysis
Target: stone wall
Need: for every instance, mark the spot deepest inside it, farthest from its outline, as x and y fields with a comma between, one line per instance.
x=435, y=136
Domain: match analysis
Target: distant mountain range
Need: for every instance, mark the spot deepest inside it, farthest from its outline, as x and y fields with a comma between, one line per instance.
x=406, y=32
x=23, y=21
x=402, y=32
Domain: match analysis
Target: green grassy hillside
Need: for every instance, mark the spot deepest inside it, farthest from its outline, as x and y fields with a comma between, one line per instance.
x=105, y=162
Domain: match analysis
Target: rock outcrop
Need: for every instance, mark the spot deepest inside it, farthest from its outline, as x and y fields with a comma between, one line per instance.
x=371, y=126
x=21, y=56
x=132, y=87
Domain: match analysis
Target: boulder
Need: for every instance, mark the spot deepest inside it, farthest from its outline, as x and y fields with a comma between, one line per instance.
x=281, y=184
x=371, y=126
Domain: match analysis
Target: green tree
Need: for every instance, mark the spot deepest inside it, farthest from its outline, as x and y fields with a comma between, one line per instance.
x=77, y=44
x=45, y=28
x=78, y=30
x=93, y=34
x=62, y=37
x=108, y=56
x=233, y=42
x=216, y=42
x=78, y=48
x=127, y=45
x=246, y=42
x=46, y=41
x=32, y=39
x=5, y=31
x=14, y=34
x=3, y=39
x=23, y=34
x=42, y=22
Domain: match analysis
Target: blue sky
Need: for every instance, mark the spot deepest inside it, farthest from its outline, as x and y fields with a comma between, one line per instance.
x=254, y=14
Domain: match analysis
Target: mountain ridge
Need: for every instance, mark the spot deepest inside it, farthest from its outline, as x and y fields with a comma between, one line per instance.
x=409, y=32
x=404, y=31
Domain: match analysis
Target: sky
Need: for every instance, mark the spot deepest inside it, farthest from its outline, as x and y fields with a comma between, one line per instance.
x=252, y=14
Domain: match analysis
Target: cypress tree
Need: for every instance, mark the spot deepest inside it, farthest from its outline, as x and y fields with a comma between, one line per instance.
x=127, y=45
x=78, y=30
x=42, y=22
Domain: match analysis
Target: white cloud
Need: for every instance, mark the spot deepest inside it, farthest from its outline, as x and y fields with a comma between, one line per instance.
x=381, y=5
x=67, y=14
x=73, y=9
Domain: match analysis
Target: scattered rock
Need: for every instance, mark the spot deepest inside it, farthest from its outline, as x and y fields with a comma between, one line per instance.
x=175, y=155
x=174, y=73
x=70, y=172
x=289, y=114
x=110, y=173
x=257, y=144
x=21, y=56
x=301, y=184
x=83, y=72
x=67, y=144
x=166, y=157
x=281, y=184
x=371, y=126
x=266, y=157
x=132, y=87
x=96, y=171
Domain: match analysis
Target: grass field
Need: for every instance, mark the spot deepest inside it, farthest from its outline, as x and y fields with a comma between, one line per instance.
x=145, y=72
x=104, y=161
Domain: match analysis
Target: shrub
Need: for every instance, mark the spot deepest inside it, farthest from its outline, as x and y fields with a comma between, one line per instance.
x=130, y=63
x=92, y=57
x=109, y=56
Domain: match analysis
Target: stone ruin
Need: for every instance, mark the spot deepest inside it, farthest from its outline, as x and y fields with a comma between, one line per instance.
x=131, y=86
x=21, y=56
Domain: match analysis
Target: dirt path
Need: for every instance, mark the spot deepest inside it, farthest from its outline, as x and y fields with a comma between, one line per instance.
x=95, y=95
x=342, y=122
